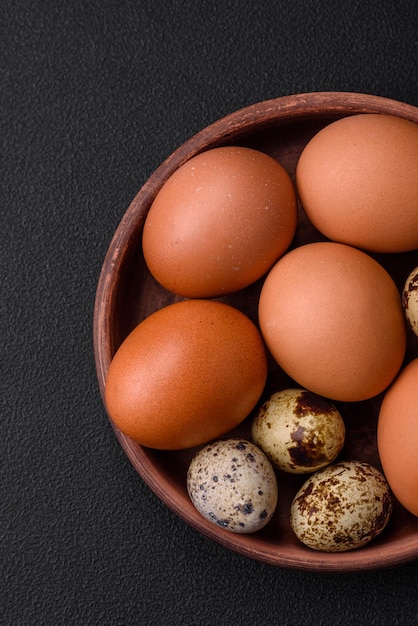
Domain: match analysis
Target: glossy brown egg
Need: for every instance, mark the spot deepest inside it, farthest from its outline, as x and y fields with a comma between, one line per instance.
x=358, y=182
x=219, y=222
x=332, y=318
x=187, y=374
x=397, y=437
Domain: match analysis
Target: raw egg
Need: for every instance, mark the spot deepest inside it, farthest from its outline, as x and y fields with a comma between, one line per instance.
x=357, y=180
x=410, y=300
x=397, y=437
x=332, y=318
x=341, y=507
x=219, y=222
x=299, y=431
x=232, y=484
x=188, y=373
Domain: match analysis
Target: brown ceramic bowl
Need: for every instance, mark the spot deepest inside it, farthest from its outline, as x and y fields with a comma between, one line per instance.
x=127, y=293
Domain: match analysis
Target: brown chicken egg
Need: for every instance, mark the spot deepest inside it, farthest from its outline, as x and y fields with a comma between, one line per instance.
x=219, y=222
x=397, y=437
x=332, y=318
x=357, y=180
x=187, y=374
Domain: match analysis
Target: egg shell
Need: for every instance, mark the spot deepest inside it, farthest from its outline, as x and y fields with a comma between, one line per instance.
x=357, y=180
x=219, y=222
x=299, y=431
x=187, y=374
x=341, y=507
x=397, y=437
x=332, y=318
x=233, y=485
x=410, y=300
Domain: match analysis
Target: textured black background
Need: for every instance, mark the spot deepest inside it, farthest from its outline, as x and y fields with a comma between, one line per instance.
x=94, y=95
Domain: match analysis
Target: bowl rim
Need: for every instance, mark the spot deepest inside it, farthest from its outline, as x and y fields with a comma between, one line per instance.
x=269, y=112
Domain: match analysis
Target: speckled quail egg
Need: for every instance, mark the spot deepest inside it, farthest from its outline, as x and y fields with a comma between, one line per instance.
x=410, y=300
x=299, y=431
x=341, y=507
x=232, y=484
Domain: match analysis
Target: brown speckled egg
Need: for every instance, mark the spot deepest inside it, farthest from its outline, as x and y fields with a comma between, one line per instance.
x=219, y=222
x=233, y=485
x=332, y=318
x=410, y=300
x=397, y=437
x=299, y=431
x=357, y=180
x=341, y=507
x=187, y=374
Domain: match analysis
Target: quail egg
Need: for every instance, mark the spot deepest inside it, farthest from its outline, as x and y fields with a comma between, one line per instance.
x=299, y=431
x=410, y=300
x=341, y=507
x=232, y=484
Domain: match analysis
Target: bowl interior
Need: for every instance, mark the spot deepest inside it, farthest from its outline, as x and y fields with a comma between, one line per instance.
x=127, y=293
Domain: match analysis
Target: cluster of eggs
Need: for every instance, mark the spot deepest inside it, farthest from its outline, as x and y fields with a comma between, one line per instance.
x=329, y=314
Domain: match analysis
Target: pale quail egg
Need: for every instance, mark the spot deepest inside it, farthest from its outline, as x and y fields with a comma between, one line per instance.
x=232, y=483
x=299, y=431
x=410, y=300
x=341, y=507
